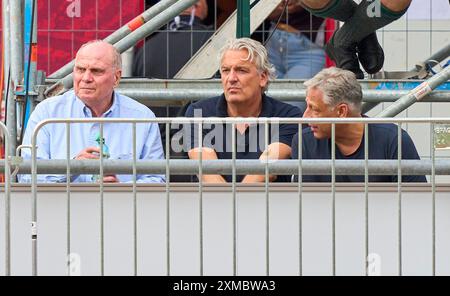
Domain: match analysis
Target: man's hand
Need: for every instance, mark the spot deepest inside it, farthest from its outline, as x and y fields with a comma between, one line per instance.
x=89, y=153
x=94, y=153
x=292, y=7
x=110, y=179
x=274, y=151
x=207, y=154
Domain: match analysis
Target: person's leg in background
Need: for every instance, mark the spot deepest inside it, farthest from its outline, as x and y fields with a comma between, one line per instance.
x=294, y=57
x=358, y=33
x=304, y=58
x=340, y=10
x=396, y=5
x=276, y=51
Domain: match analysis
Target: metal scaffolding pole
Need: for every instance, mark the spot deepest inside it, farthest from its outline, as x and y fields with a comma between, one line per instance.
x=173, y=96
x=143, y=31
x=16, y=63
x=284, y=84
x=6, y=50
x=243, y=19
x=439, y=56
x=416, y=94
x=30, y=59
x=122, y=32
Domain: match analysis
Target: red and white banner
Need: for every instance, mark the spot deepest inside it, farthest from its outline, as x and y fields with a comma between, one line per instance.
x=63, y=25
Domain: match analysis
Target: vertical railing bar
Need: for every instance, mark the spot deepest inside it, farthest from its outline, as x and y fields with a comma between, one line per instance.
x=168, y=197
x=433, y=210
x=300, y=198
x=135, y=224
x=406, y=43
x=399, y=191
x=167, y=32
x=102, y=226
x=200, y=183
x=68, y=191
x=7, y=204
x=433, y=184
x=366, y=195
x=6, y=57
x=233, y=187
x=215, y=15
x=431, y=29
x=266, y=188
x=333, y=194
x=34, y=234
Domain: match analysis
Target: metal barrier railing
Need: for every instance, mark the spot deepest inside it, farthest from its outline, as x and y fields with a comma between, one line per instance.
x=7, y=172
x=300, y=166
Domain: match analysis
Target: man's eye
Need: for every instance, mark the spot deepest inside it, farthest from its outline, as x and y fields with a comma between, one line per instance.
x=97, y=71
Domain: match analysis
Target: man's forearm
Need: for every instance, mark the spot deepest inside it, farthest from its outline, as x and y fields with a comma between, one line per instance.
x=213, y=179
x=258, y=178
x=275, y=151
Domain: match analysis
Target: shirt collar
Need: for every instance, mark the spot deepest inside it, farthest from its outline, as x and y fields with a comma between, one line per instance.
x=88, y=113
x=266, y=110
x=221, y=106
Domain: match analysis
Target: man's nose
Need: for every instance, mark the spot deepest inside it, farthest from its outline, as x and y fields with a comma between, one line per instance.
x=232, y=75
x=307, y=112
x=87, y=76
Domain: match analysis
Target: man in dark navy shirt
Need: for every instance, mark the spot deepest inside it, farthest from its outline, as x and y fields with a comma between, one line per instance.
x=245, y=73
x=336, y=93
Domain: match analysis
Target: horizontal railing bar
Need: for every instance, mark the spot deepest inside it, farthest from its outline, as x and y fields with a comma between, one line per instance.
x=249, y=120
x=147, y=83
x=176, y=95
x=224, y=166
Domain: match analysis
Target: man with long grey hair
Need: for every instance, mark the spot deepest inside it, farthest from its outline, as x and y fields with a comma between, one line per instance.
x=336, y=93
x=245, y=73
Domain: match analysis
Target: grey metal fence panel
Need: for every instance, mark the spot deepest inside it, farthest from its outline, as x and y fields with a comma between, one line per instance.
x=266, y=168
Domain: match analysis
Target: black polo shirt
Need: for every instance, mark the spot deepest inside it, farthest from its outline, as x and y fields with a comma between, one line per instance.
x=249, y=145
x=382, y=145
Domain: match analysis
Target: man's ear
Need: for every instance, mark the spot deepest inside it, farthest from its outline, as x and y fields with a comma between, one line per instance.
x=343, y=110
x=264, y=79
x=117, y=77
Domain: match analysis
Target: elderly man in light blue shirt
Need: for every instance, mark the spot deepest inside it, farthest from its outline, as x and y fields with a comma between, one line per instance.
x=96, y=73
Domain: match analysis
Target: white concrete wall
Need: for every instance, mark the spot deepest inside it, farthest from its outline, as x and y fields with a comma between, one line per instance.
x=217, y=230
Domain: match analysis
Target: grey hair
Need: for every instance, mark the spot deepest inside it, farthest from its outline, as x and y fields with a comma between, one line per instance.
x=338, y=86
x=257, y=53
x=117, y=58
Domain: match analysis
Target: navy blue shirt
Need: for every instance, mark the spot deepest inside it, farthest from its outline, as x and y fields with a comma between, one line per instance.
x=249, y=145
x=382, y=145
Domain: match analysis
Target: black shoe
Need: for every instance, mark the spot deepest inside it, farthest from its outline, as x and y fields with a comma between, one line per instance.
x=345, y=58
x=371, y=54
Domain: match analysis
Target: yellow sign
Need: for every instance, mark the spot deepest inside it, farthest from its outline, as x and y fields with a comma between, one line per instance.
x=442, y=136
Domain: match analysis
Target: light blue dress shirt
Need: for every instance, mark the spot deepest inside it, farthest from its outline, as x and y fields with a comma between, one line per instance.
x=51, y=139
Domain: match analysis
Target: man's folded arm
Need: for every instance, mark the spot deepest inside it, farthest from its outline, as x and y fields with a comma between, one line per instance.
x=275, y=151
x=207, y=154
